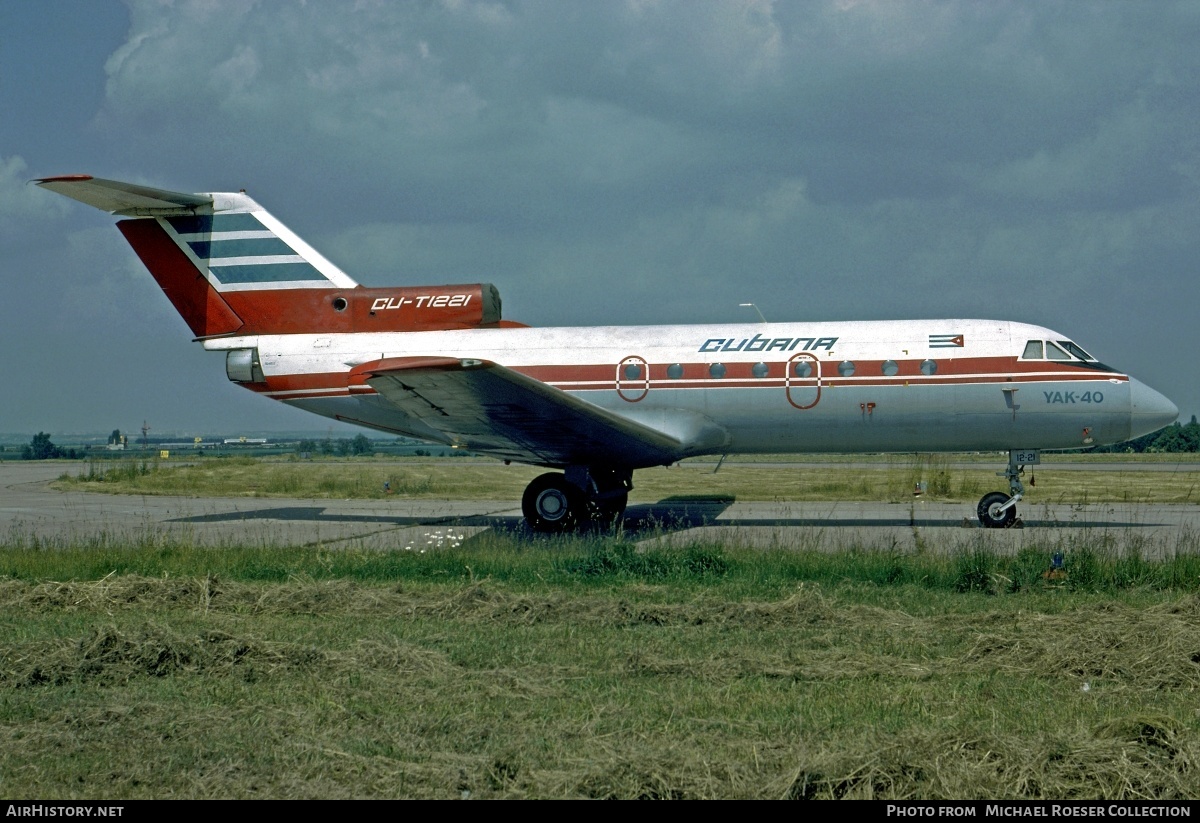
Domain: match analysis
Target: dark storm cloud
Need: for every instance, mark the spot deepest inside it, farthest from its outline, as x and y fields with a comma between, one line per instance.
x=664, y=161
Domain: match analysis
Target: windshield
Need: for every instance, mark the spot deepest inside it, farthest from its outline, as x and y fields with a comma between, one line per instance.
x=1059, y=350
x=1075, y=350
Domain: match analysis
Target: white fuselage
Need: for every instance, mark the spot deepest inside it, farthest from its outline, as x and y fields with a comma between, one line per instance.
x=897, y=386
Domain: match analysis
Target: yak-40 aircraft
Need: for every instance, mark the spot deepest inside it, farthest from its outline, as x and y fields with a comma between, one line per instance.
x=440, y=364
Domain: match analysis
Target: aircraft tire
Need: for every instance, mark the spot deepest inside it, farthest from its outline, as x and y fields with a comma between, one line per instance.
x=991, y=520
x=551, y=504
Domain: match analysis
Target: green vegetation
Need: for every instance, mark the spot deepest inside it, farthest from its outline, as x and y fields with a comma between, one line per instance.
x=360, y=478
x=40, y=448
x=507, y=667
x=345, y=447
x=892, y=478
x=1107, y=562
x=1174, y=439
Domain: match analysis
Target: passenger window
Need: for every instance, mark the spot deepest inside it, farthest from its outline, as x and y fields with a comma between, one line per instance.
x=717, y=370
x=845, y=368
x=1053, y=352
x=928, y=367
x=889, y=368
x=1033, y=350
x=675, y=371
x=632, y=371
x=803, y=368
x=760, y=370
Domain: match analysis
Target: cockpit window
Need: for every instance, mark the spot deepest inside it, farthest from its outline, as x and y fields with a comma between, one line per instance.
x=1053, y=352
x=1075, y=350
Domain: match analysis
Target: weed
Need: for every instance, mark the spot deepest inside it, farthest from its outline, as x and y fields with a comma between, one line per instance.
x=1030, y=569
x=619, y=559
x=975, y=570
x=1083, y=569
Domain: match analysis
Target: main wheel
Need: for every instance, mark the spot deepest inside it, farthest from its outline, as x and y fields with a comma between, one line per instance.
x=989, y=511
x=552, y=504
x=608, y=512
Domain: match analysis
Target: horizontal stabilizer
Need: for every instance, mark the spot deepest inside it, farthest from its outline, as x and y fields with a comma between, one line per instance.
x=125, y=198
x=482, y=405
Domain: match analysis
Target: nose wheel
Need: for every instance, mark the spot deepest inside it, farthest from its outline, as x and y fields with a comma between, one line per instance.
x=997, y=510
x=993, y=513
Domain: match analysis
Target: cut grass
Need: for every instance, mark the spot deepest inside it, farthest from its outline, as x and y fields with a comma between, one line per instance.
x=582, y=669
x=507, y=667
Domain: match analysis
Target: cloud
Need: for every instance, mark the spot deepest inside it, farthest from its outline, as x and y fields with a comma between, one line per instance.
x=483, y=105
x=658, y=161
x=21, y=201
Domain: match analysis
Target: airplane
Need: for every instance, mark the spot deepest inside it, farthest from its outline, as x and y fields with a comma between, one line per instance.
x=595, y=404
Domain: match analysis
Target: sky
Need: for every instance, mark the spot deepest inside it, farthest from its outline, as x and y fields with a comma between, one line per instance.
x=636, y=162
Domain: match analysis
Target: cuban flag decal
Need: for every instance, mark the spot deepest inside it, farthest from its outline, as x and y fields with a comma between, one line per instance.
x=945, y=341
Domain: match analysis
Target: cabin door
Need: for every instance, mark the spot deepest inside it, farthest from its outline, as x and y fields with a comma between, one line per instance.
x=803, y=381
x=633, y=379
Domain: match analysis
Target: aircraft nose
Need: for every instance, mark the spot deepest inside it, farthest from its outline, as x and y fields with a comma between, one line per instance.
x=1149, y=410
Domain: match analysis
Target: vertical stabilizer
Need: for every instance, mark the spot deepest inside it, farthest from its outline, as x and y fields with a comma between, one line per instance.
x=192, y=295
x=230, y=268
x=208, y=250
x=240, y=247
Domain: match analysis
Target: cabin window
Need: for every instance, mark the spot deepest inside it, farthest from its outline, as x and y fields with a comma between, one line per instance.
x=633, y=371
x=1075, y=350
x=803, y=368
x=675, y=371
x=717, y=370
x=889, y=368
x=845, y=368
x=1053, y=352
x=928, y=367
x=760, y=370
x=1033, y=350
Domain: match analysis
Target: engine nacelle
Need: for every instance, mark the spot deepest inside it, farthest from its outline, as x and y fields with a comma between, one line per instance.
x=241, y=366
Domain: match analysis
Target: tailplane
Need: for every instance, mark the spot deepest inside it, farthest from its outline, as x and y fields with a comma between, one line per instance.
x=230, y=268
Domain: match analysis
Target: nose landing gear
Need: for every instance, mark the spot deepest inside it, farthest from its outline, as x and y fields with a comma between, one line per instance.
x=997, y=510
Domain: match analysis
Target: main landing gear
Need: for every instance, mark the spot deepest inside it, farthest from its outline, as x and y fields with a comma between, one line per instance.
x=580, y=496
x=998, y=510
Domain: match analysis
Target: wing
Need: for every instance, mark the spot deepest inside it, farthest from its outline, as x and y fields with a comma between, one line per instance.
x=481, y=405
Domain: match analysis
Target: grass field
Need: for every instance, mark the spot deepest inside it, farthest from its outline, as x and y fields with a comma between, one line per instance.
x=581, y=668
x=510, y=666
x=875, y=477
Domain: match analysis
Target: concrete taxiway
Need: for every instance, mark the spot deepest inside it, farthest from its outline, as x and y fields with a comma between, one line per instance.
x=32, y=511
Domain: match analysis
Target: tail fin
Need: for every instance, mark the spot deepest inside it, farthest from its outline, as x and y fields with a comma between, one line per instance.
x=229, y=267
x=202, y=248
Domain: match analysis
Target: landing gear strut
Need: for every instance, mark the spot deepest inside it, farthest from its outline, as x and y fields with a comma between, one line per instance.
x=582, y=495
x=998, y=510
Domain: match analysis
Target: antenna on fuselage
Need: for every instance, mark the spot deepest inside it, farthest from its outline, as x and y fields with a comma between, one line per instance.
x=756, y=311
